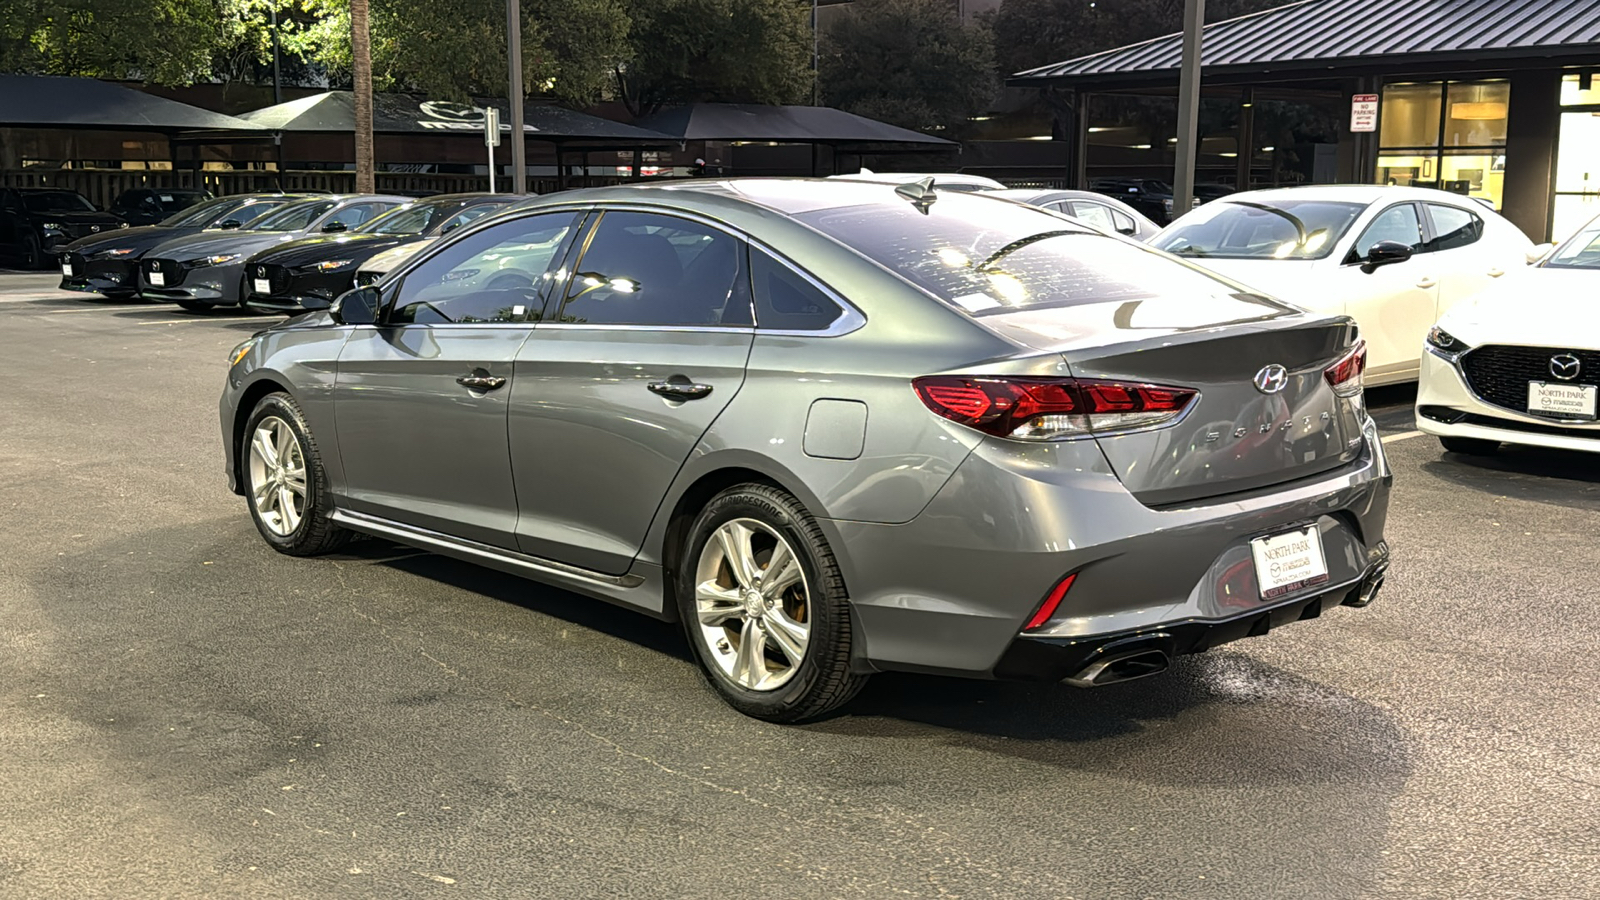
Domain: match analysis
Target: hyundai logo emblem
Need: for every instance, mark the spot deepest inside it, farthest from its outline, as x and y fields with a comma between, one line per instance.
x=1271, y=379
x=1565, y=366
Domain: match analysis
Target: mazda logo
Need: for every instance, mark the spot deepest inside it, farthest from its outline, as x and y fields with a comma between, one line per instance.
x=1271, y=379
x=1565, y=366
x=261, y=271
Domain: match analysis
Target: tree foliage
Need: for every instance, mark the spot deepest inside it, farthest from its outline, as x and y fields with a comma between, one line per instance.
x=909, y=62
x=737, y=51
x=1030, y=33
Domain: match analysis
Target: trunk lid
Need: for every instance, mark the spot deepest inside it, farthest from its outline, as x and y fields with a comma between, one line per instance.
x=1234, y=437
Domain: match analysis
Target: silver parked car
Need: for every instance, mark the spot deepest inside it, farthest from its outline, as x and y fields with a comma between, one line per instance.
x=834, y=428
x=1107, y=213
x=199, y=271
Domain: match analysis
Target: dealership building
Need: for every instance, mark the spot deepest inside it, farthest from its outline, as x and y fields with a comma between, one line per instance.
x=1498, y=99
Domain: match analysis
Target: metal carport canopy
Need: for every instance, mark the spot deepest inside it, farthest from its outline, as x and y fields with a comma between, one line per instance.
x=1317, y=38
x=50, y=101
x=781, y=124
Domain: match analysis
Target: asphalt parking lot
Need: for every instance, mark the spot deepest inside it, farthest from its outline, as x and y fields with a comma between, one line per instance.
x=189, y=714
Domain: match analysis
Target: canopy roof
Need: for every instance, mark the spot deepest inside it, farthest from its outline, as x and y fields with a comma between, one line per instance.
x=783, y=124
x=334, y=111
x=48, y=101
x=1324, y=35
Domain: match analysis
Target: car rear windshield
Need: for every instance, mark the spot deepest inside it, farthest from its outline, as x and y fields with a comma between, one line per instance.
x=1281, y=229
x=1581, y=251
x=56, y=201
x=293, y=217
x=988, y=256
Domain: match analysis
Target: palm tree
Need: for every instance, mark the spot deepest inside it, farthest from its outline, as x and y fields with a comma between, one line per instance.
x=361, y=65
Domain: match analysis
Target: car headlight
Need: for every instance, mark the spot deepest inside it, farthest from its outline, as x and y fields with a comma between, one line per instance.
x=122, y=224
x=238, y=352
x=220, y=259
x=1444, y=340
x=53, y=226
x=332, y=264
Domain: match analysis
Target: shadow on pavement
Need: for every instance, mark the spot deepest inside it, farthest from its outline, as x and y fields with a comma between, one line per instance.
x=1566, y=477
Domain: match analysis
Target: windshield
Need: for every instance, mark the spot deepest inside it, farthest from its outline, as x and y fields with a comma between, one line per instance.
x=56, y=201
x=1283, y=229
x=202, y=213
x=1581, y=251
x=293, y=217
x=990, y=257
x=413, y=219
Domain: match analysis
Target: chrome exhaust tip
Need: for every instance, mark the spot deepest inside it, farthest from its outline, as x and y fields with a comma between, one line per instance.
x=1368, y=591
x=1119, y=667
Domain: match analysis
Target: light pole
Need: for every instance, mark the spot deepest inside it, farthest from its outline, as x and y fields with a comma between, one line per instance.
x=277, y=83
x=1194, y=20
x=519, y=147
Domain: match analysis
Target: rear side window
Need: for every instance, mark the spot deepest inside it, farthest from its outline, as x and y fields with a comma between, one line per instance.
x=1453, y=227
x=787, y=300
x=649, y=269
x=1096, y=214
x=987, y=257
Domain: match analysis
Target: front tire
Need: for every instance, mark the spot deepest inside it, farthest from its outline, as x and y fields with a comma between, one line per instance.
x=286, y=485
x=32, y=253
x=765, y=607
x=1470, y=446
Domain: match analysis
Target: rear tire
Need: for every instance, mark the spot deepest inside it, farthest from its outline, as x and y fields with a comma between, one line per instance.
x=285, y=483
x=778, y=652
x=32, y=253
x=1470, y=446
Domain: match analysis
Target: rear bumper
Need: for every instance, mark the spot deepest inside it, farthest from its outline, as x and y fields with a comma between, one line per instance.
x=951, y=590
x=1447, y=407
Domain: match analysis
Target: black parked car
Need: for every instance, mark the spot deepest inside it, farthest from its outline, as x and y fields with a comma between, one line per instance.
x=108, y=264
x=147, y=206
x=35, y=223
x=310, y=272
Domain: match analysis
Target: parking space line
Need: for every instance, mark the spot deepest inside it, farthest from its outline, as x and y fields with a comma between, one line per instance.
x=88, y=309
x=205, y=319
x=1402, y=436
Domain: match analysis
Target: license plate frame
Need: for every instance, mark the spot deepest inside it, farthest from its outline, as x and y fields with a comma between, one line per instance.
x=1562, y=400
x=1288, y=561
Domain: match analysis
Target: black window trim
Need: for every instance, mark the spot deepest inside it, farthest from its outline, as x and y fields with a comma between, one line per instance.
x=1432, y=227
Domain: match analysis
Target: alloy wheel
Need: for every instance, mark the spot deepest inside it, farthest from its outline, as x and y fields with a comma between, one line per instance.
x=753, y=604
x=277, y=476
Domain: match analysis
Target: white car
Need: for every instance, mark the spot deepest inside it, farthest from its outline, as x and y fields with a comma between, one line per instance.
x=1392, y=258
x=1520, y=363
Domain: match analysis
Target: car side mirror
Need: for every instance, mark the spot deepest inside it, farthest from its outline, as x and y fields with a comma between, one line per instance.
x=230, y=223
x=357, y=307
x=334, y=228
x=1537, y=254
x=1385, y=253
x=1129, y=230
x=449, y=228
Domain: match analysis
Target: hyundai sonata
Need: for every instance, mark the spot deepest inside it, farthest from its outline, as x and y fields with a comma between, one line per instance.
x=834, y=428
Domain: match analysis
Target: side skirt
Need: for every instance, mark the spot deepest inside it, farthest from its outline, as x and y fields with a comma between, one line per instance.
x=640, y=589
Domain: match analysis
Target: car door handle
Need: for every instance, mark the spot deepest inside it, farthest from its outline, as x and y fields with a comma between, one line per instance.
x=679, y=388
x=1426, y=283
x=481, y=381
x=1496, y=273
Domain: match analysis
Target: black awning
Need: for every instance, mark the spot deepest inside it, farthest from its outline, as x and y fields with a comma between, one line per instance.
x=780, y=124
x=48, y=101
x=1325, y=36
x=334, y=111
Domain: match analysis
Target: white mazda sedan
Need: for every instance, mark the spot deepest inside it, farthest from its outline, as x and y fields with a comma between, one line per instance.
x=1520, y=363
x=1392, y=258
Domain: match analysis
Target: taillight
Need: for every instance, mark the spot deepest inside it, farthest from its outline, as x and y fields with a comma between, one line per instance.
x=1051, y=601
x=1043, y=409
x=1345, y=375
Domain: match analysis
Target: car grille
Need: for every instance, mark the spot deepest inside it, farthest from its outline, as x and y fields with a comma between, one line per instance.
x=277, y=276
x=1500, y=375
x=171, y=268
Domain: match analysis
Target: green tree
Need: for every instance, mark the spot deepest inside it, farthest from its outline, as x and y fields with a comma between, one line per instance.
x=737, y=51
x=164, y=41
x=909, y=62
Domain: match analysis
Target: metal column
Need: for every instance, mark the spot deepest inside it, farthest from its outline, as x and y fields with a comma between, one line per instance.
x=1194, y=18
x=519, y=145
x=1247, y=141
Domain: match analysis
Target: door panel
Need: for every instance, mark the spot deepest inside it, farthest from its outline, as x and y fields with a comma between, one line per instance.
x=1395, y=305
x=419, y=447
x=1465, y=262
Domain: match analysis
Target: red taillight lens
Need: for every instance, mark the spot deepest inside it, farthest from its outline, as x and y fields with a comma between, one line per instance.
x=1042, y=409
x=1345, y=375
x=1051, y=601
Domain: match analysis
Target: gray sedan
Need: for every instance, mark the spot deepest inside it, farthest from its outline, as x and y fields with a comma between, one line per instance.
x=833, y=428
x=199, y=271
x=1098, y=210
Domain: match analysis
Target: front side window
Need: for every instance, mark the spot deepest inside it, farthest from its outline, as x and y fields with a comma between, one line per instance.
x=1281, y=229
x=1453, y=227
x=990, y=258
x=786, y=300
x=1397, y=223
x=293, y=217
x=649, y=269
x=356, y=213
x=494, y=276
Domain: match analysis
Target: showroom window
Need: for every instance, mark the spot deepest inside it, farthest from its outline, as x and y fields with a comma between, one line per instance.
x=1449, y=135
x=1577, y=187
